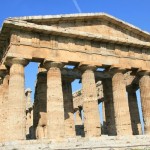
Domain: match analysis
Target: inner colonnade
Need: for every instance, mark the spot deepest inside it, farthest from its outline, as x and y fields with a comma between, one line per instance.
x=87, y=42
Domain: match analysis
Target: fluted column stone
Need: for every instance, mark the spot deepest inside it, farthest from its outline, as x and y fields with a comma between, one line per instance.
x=134, y=111
x=29, y=115
x=144, y=85
x=1, y=106
x=3, y=101
x=4, y=109
x=109, y=106
x=92, y=127
x=41, y=99
x=16, y=98
x=121, y=107
x=68, y=108
x=55, y=105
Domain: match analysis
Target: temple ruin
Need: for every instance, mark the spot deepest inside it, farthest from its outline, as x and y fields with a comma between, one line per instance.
x=111, y=59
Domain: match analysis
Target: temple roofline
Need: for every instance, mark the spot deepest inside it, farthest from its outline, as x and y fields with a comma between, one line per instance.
x=67, y=17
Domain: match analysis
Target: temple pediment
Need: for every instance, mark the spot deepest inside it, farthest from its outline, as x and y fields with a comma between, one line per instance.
x=94, y=23
x=89, y=48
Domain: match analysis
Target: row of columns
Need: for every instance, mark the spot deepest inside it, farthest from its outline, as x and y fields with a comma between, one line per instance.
x=60, y=104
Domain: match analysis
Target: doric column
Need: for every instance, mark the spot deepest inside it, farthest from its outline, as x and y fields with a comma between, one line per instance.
x=109, y=106
x=134, y=111
x=144, y=85
x=68, y=108
x=1, y=107
x=3, y=101
x=4, y=107
x=16, y=98
x=92, y=127
x=40, y=117
x=121, y=107
x=55, y=106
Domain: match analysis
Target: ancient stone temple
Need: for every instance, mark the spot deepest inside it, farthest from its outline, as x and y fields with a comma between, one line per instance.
x=111, y=58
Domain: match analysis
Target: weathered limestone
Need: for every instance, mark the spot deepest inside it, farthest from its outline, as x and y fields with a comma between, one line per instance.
x=93, y=46
x=134, y=111
x=109, y=106
x=92, y=127
x=121, y=108
x=141, y=142
x=55, y=105
x=16, y=98
x=78, y=117
x=144, y=85
x=79, y=127
x=29, y=115
x=40, y=109
x=1, y=105
x=4, y=108
x=3, y=102
x=68, y=108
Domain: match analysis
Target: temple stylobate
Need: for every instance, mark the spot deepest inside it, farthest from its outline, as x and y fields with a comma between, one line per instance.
x=103, y=52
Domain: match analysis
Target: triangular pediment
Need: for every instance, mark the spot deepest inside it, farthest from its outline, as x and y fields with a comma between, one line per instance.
x=95, y=23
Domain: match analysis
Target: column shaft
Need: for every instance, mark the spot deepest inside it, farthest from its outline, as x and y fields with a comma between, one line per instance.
x=55, y=107
x=109, y=107
x=5, y=104
x=17, y=105
x=92, y=125
x=1, y=110
x=68, y=109
x=41, y=97
x=121, y=108
x=134, y=112
x=145, y=101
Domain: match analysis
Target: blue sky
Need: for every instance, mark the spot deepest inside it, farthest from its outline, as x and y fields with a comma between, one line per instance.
x=136, y=12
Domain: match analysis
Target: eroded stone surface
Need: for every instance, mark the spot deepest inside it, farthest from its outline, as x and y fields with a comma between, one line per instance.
x=92, y=125
x=90, y=43
x=104, y=142
x=121, y=108
x=145, y=100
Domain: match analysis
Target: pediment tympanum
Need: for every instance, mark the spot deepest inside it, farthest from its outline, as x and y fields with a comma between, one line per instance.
x=98, y=23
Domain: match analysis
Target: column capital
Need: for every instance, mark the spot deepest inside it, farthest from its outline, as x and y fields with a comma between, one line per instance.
x=49, y=64
x=21, y=61
x=84, y=67
x=113, y=70
x=143, y=72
